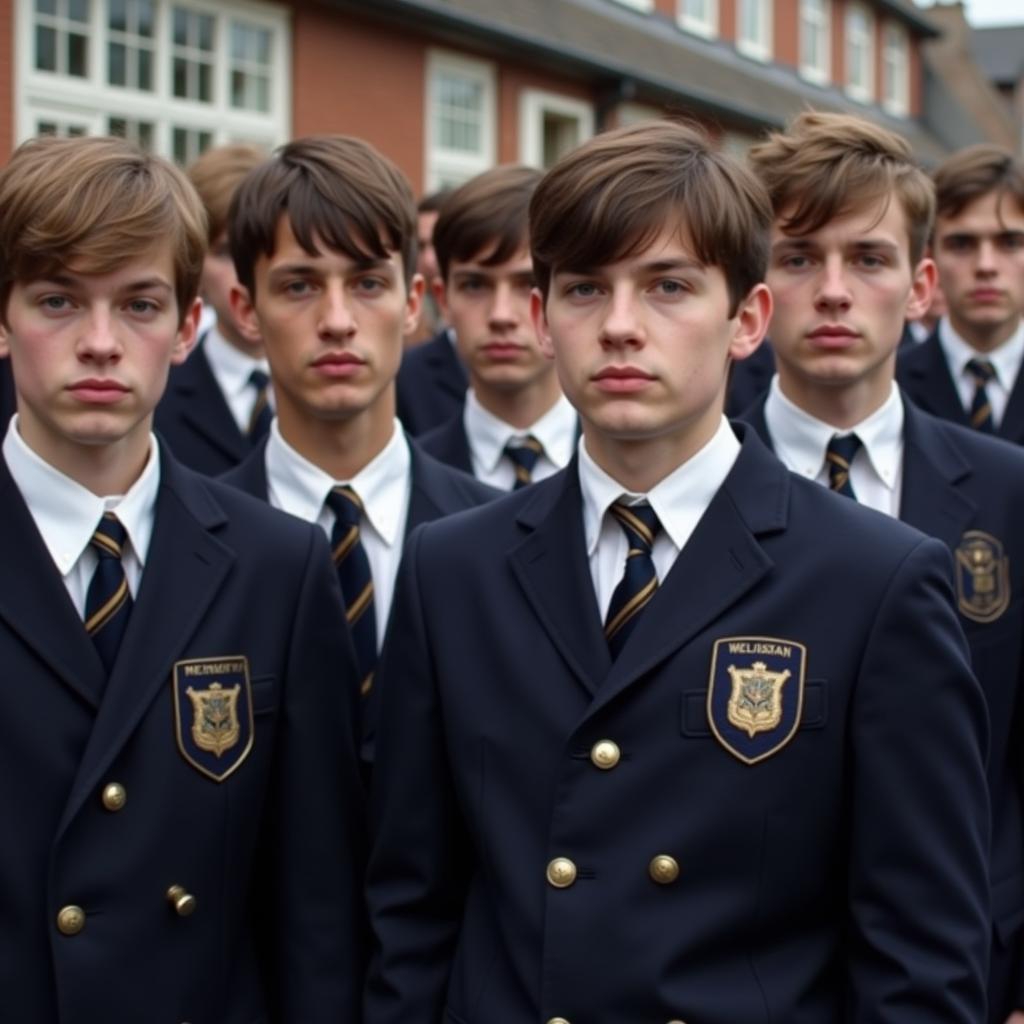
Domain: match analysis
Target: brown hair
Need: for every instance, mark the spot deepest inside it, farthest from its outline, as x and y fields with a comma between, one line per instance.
x=216, y=175
x=975, y=171
x=433, y=201
x=91, y=205
x=827, y=165
x=487, y=216
x=334, y=189
x=611, y=197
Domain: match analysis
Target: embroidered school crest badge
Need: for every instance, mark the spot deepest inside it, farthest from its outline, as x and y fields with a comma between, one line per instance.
x=755, y=694
x=982, y=577
x=213, y=714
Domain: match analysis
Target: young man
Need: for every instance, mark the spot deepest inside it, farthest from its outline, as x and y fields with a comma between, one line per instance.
x=178, y=711
x=431, y=320
x=216, y=406
x=516, y=425
x=758, y=791
x=968, y=371
x=852, y=216
x=324, y=241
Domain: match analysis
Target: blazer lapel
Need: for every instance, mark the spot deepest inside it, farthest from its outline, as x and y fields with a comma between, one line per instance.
x=552, y=568
x=446, y=367
x=929, y=382
x=429, y=499
x=250, y=475
x=40, y=610
x=754, y=415
x=203, y=406
x=185, y=568
x=1012, y=426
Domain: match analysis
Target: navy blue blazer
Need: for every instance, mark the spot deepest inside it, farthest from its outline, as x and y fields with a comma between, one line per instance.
x=8, y=397
x=194, y=420
x=273, y=852
x=431, y=384
x=831, y=865
x=961, y=487
x=449, y=444
x=923, y=374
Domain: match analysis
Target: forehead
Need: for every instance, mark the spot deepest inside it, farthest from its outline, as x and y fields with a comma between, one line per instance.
x=519, y=262
x=288, y=250
x=154, y=266
x=878, y=218
x=993, y=211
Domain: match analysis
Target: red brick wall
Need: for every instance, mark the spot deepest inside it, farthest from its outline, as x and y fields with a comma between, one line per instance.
x=787, y=32
x=6, y=79
x=727, y=16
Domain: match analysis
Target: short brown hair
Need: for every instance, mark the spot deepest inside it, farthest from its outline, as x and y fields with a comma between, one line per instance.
x=975, y=171
x=216, y=175
x=611, y=197
x=92, y=204
x=487, y=215
x=826, y=165
x=333, y=188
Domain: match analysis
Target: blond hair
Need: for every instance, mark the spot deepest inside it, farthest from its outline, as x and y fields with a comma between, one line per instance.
x=216, y=175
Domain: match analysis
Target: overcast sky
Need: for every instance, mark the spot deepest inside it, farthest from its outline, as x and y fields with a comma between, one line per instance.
x=990, y=12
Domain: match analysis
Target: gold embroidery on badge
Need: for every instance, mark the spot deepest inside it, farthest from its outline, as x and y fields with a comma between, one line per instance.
x=215, y=718
x=982, y=577
x=755, y=705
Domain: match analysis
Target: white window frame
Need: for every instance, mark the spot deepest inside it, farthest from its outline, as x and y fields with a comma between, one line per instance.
x=757, y=49
x=533, y=105
x=895, y=86
x=707, y=27
x=863, y=92
x=637, y=5
x=42, y=95
x=820, y=74
x=449, y=166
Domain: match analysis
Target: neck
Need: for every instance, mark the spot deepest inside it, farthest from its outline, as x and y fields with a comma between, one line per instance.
x=842, y=405
x=524, y=406
x=984, y=337
x=340, y=447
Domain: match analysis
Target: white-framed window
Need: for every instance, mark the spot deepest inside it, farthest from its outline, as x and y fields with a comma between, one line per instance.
x=860, y=53
x=550, y=126
x=699, y=17
x=896, y=70
x=815, y=40
x=640, y=5
x=173, y=76
x=460, y=119
x=754, y=24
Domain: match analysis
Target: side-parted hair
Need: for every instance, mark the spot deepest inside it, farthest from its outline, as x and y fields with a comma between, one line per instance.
x=336, y=191
x=91, y=205
x=433, y=201
x=216, y=175
x=611, y=197
x=827, y=165
x=486, y=218
x=975, y=171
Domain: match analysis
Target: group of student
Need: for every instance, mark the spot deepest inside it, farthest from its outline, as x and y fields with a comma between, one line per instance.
x=673, y=733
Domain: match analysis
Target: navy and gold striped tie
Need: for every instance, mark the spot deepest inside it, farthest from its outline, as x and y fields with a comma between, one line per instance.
x=261, y=415
x=356, y=580
x=981, y=408
x=639, y=581
x=524, y=455
x=108, y=602
x=839, y=456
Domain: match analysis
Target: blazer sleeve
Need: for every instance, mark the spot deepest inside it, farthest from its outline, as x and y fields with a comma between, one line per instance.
x=919, y=852
x=420, y=863
x=314, y=840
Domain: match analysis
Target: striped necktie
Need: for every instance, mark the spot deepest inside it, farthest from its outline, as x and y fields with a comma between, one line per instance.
x=261, y=414
x=981, y=408
x=524, y=455
x=356, y=580
x=108, y=602
x=839, y=456
x=639, y=581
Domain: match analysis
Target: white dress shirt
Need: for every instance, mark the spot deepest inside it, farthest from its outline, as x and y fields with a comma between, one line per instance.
x=487, y=435
x=231, y=369
x=679, y=500
x=384, y=486
x=66, y=514
x=1006, y=360
x=876, y=473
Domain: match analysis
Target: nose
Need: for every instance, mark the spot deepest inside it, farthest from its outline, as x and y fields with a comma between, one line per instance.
x=621, y=325
x=98, y=341
x=335, y=319
x=833, y=293
x=503, y=313
x=986, y=264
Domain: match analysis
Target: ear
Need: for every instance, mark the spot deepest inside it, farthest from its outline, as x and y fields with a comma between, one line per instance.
x=188, y=332
x=752, y=318
x=437, y=286
x=5, y=344
x=922, y=289
x=413, y=304
x=244, y=311
x=539, y=318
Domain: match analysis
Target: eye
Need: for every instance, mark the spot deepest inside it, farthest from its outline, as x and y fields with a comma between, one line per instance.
x=959, y=244
x=371, y=285
x=296, y=288
x=55, y=303
x=142, y=307
x=670, y=287
x=794, y=261
x=1011, y=241
x=581, y=290
x=472, y=285
x=871, y=261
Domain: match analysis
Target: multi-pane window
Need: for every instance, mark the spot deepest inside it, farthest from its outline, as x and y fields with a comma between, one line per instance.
x=174, y=76
x=700, y=16
x=550, y=126
x=860, y=53
x=896, y=70
x=815, y=59
x=754, y=28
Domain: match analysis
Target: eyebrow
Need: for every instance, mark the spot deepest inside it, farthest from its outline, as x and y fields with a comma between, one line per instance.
x=306, y=269
x=861, y=245
x=653, y=267
x=144, y=284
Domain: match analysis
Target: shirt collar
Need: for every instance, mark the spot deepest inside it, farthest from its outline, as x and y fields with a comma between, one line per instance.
x=800, y=439
x=1006, y=359
x=66, y=513
x=488, y=435
x=382, y=484
x=231, y=367
x=679, y=500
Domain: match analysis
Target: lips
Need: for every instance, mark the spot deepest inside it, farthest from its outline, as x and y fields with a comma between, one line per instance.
x=338, y=364
x=620, y=379
x=833, y=336
x=502, y=349
x=985, y=295
x=98, y=390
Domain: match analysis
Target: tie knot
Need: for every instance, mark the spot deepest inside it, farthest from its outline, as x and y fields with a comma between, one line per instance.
x=981, y=370
x=345, y=504
x=259, y=380
x=523, y=454
x=841, y=451
x=109, y=536
x=640, y=523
